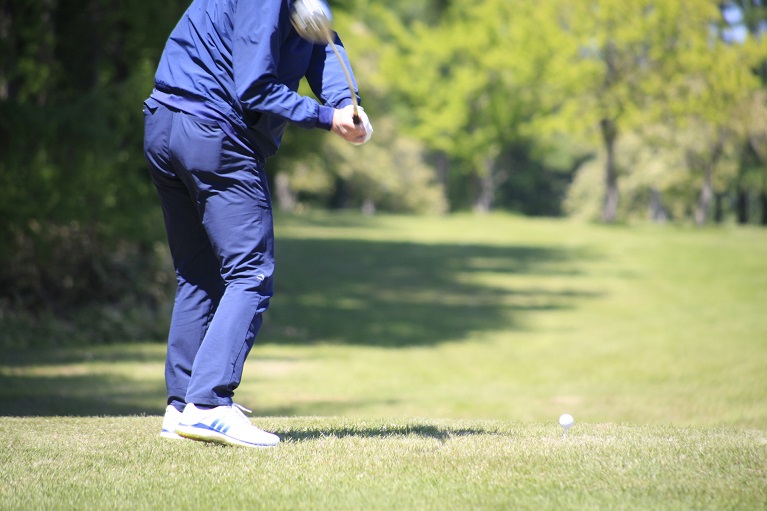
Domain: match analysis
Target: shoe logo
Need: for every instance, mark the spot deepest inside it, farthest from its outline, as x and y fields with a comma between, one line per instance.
x=220, y=426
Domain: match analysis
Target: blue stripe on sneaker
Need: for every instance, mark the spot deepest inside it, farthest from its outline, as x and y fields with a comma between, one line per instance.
x=201, y=426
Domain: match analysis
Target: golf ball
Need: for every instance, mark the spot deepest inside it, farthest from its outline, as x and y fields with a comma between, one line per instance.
x=566, y=420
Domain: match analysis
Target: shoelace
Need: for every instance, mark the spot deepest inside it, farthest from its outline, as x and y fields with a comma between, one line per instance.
x=238, y=409
x=237, y=405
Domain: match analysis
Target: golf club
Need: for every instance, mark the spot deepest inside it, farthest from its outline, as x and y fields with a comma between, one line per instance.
x=313, y=21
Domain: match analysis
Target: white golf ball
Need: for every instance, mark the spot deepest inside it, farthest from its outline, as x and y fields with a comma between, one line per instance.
x=566, y=420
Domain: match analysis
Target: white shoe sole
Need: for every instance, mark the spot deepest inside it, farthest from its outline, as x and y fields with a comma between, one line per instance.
x=207, y=435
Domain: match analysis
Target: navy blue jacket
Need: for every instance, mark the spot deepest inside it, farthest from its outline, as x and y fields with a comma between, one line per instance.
x=241, y=61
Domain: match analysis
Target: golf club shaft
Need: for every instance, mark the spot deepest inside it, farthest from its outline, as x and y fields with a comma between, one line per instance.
x=355, y=115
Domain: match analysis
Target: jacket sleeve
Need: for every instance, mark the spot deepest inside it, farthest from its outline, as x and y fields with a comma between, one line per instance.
x=326, y=76
x=258, y=34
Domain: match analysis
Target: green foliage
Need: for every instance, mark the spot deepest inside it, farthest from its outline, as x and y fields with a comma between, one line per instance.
x=79, y=214
x=662, y=64
x=69, y=284
x=74, y=138
x=467, y=95
x=660, y=160
x=388, y=174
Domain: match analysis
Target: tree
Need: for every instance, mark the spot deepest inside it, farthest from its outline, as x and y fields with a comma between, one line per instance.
x=475, y=85
x=745, y=21
x=389, y=174
x=74, y=192
x=636, y=56
x=754, y=169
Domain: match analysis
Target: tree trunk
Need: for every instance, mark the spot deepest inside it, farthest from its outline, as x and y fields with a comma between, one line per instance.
x=758, y=143
x=707, y=192
x=488, y=183
x=763, y=202
x=657, y=212
x=8, y=47
x=719, y=208
x=340, y=197
x=368, y=207
x=609, y=135
x=484, y=200
x=706, y=195
x=442, y=166
x=742, y=205
x=286, y=198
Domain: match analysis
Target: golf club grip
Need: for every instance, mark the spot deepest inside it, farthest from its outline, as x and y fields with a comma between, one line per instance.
x=356, y=118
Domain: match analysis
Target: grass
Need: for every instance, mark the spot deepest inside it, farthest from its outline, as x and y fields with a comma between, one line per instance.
x=421, y=363
x=332, y=463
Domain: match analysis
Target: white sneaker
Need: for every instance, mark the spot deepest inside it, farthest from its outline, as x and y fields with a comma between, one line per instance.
x=170, y=422
x=224, y=425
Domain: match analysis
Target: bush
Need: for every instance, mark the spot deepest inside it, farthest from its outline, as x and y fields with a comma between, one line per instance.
x=386, y=174
x=71, y=284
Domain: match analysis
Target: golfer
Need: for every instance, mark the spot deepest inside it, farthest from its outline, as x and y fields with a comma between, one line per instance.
x=224, y=91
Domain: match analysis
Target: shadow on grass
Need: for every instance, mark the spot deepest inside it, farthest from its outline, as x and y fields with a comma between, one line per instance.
x=407, y=294
x=423, y=430
x=26, y=396
x=348, y=292
x=82, y=381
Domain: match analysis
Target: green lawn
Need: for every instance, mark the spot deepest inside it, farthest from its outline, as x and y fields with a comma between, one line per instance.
x=338, y=464
x=421, y=363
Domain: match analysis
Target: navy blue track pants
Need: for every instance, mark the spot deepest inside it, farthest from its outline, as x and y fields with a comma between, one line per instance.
x=218, y=218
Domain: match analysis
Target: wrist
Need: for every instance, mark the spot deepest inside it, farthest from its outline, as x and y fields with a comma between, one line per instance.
x=325, y=117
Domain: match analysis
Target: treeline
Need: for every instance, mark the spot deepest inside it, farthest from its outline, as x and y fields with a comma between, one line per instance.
x=597, y=108
x=79, y=225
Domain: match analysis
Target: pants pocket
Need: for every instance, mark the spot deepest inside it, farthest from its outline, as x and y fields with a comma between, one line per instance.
x=197, y=143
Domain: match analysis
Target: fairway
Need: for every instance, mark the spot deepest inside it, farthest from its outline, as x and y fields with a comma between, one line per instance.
x=422, y=363
x=330, y=463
